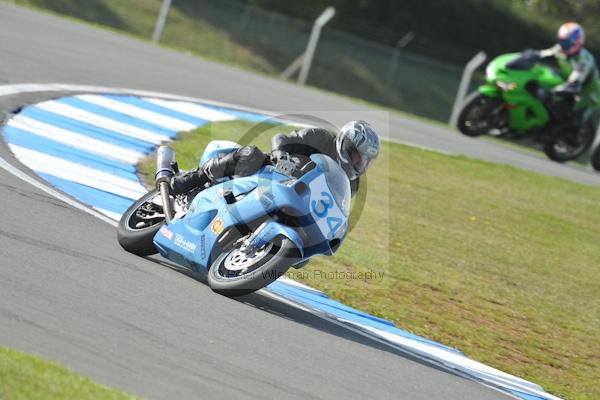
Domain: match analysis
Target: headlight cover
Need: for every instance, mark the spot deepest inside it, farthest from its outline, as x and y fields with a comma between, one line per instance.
x=506, y=86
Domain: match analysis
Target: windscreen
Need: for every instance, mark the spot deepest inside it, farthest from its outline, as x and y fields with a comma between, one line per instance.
x=337, y=181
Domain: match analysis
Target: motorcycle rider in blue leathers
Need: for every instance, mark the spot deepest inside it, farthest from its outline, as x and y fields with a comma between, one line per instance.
x=354, y=148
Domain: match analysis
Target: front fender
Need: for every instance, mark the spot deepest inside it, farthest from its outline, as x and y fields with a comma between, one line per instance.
x=490, y=91
x=271, y=229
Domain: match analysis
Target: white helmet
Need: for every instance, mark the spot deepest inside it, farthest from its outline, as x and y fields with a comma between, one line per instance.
x=357, y=145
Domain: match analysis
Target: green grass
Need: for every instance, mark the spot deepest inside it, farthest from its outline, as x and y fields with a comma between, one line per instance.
x=499, y=262
x=27, y=377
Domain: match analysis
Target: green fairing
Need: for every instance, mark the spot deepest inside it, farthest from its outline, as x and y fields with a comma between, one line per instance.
x=525, y=110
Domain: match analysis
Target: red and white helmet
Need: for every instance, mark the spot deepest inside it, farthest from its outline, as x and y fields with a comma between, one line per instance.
x=571, y=38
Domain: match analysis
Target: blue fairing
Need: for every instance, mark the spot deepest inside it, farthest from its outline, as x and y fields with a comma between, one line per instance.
x=305, y=210
x=270, y=230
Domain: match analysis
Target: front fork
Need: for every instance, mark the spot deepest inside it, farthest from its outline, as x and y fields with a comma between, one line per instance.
x=163, y=187
x=165, y=167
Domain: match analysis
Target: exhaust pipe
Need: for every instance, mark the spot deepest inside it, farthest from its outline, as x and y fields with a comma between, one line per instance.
x=165, y=160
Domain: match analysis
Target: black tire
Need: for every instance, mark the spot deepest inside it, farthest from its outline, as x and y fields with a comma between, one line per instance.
x=595, y=159
x=279, y=257
x=566, y=148
x=480, y=114
x=138, y=240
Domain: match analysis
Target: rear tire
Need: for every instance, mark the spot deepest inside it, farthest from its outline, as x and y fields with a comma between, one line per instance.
x=595, y=159
x=570, y=147
x=233, y=274
x=132, y=235
x=480, y=114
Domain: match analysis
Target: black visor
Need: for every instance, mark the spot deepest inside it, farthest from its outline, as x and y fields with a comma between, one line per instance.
x=353, y=157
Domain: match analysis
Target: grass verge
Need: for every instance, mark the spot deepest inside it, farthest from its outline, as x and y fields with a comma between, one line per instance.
x=499, y=262
x=24, y=376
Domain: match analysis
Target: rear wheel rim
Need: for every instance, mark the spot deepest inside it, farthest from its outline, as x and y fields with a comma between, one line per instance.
x=572, y=145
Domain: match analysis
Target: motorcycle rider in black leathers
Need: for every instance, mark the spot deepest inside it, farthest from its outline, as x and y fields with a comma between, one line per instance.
x=354, y=148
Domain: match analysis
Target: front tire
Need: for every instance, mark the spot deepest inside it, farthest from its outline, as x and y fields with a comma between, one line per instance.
x=566, y=148
x=136, y=230
x=480, y=114
x=234, y=274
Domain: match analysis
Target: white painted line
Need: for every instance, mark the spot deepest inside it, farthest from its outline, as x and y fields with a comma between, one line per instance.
x=351, y=327
x=292, y=282
x=421, y=147
x=102, y=122
x=463, y=363
x=454, y=359
x=112, y=215
x=45, y=164
x=194, y=110
x=7, y=90
x=23, y=176
x=75, y=140
x=267, y=293
x=137, y=112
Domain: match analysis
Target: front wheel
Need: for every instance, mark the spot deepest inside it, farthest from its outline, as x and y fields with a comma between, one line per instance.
x=480, y=114
x=139, y=224
x=235, y=273
x=569, y=147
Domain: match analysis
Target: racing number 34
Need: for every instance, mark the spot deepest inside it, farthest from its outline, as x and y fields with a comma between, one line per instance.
x=321, y=209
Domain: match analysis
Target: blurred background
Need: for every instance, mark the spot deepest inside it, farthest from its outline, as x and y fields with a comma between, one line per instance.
x=404, y=54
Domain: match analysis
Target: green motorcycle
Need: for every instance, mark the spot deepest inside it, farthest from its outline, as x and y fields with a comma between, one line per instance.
x=509, y=105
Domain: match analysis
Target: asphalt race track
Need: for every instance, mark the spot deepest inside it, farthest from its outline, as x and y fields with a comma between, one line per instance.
x=69, y=293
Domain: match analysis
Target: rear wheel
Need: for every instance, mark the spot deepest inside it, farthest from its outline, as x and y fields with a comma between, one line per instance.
x=139, y=224
x=595, y=160
x=236, y=273
x=569, y=147
x=480, y=114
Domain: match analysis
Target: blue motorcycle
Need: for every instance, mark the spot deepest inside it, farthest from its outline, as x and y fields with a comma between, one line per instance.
x=245, y=232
